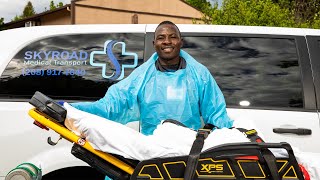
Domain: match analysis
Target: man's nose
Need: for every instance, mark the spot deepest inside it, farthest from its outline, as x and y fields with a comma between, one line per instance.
x=167, y=40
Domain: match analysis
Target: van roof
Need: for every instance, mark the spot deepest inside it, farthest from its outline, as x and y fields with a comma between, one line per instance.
x=188, y=28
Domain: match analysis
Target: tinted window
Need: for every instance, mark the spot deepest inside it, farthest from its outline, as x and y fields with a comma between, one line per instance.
x=71, y=66
x=262, y=71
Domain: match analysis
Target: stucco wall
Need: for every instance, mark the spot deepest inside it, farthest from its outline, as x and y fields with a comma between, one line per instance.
x=86, y=15
x=170, y=7
x=121, y=11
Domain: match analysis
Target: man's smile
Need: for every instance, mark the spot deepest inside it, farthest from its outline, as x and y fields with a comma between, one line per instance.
x=167, y=49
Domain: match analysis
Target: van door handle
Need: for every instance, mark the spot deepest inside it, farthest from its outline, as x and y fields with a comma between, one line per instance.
x=298, y=131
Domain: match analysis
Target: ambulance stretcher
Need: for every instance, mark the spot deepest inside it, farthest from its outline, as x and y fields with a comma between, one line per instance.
x=251, y=160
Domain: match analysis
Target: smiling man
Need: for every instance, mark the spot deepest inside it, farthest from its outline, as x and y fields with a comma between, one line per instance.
x=169, y=85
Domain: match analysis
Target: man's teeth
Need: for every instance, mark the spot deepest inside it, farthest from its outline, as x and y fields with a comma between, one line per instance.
x=168, y=48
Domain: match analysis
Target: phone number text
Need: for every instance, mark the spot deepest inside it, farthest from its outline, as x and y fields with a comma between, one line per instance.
x=52, y=72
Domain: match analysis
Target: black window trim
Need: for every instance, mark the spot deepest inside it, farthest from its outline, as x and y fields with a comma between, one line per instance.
x=314, y=51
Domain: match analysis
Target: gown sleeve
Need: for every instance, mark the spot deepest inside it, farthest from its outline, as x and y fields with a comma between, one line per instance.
x=212, y=103
x=119, y=104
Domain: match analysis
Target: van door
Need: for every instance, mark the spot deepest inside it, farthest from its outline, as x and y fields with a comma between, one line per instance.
x=265, y=79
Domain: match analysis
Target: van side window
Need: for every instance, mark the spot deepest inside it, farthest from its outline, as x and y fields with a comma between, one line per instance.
x=254, y=72
x=72, y=67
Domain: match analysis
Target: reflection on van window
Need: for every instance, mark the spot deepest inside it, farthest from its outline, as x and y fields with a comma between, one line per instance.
x=262, y=71
x=244, y=103
x=72, y=66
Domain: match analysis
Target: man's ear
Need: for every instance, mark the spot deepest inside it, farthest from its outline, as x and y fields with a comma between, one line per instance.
x=153, y=43
x=182, y=42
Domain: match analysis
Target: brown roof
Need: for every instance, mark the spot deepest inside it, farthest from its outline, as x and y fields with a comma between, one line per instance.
x=37, y=15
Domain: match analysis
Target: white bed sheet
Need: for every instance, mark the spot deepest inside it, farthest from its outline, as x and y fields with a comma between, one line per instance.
x=168, y=139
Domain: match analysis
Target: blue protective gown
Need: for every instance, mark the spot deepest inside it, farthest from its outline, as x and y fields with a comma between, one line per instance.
x=151, y=96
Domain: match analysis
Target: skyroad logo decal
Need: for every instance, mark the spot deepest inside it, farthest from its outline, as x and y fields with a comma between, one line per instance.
x=119, y=73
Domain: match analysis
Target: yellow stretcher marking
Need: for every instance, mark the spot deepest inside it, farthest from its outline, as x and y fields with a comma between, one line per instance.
x=150, y=165
x=218, y=161
x=295, y=174
x=285, y=162
x=257, y=177
x=176, y=162
x=70, y=136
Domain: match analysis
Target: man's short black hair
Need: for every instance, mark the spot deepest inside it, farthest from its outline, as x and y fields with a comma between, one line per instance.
x=170, y=23
x=166, y=22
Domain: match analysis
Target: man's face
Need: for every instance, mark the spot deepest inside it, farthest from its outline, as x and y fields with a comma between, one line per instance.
x=167, y=42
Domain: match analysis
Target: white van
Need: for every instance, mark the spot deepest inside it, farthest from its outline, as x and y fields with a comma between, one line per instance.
x=268, y=75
